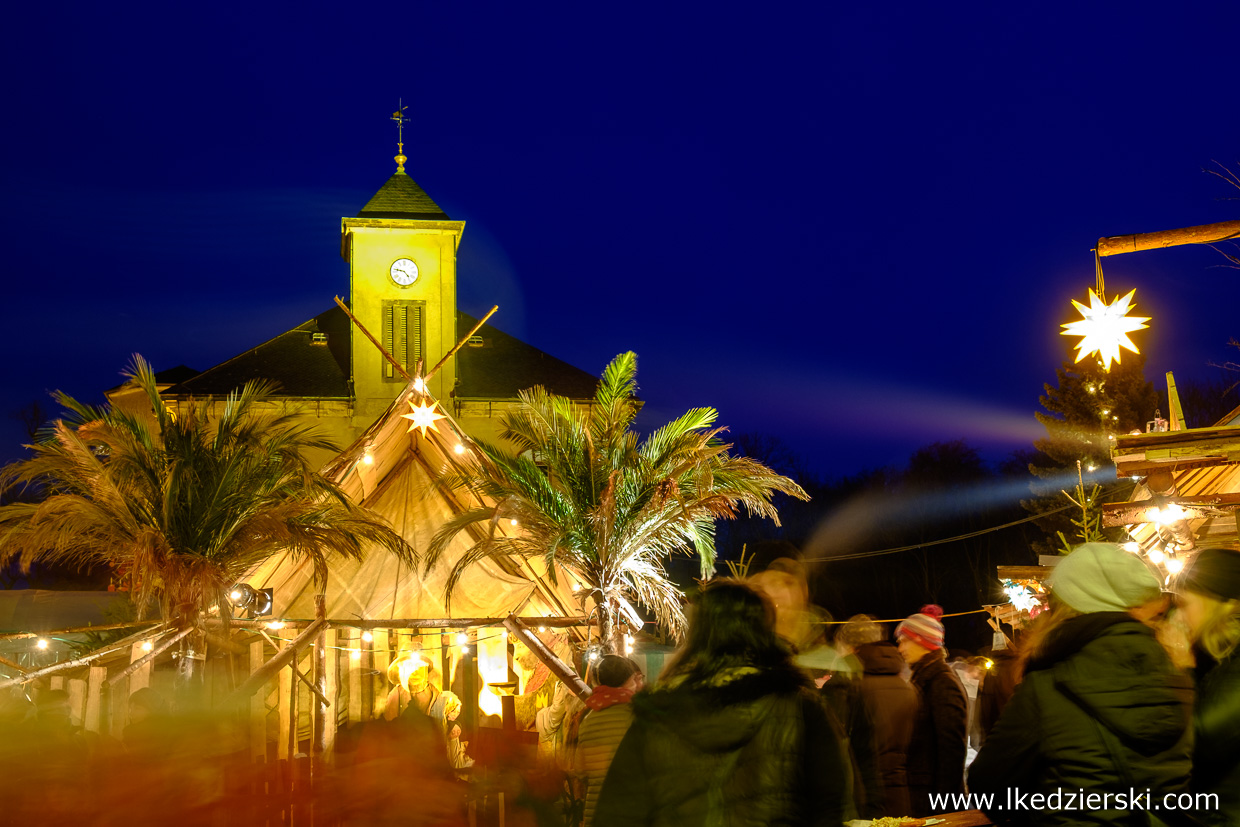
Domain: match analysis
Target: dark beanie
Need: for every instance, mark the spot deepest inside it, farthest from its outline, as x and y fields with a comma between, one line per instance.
x=1215, y=573
x=614, y=670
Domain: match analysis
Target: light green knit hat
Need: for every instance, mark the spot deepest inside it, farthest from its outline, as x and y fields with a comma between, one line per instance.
x=1102, y=577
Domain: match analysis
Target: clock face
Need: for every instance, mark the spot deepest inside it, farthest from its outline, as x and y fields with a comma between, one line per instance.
x=404, y=272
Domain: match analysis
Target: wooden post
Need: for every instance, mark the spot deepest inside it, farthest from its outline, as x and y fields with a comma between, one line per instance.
x=331, y=688
x=287, y=709
x=382, y=654
x=445, y=659
x=257, y=708
x=468, y=666
x=77, y=701
x=356, y=664
x=93, y=717
x=318, y=734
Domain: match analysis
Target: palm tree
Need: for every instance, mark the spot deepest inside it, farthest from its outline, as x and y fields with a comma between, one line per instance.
x=185, y=505
x=583, y=493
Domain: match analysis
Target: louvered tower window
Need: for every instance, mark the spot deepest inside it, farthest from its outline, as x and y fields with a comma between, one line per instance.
x=404, y=333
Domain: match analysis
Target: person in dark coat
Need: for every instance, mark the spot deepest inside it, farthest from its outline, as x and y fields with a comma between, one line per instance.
x=603, y=727
x=888, y=707
x=1209, y=600
x=733, y=733
x=1101, y=710
x=939, y=742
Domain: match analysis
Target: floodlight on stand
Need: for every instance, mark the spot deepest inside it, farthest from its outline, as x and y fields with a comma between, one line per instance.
x=263, y=602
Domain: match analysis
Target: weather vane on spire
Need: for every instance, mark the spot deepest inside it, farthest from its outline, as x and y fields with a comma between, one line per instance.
x=399, y=117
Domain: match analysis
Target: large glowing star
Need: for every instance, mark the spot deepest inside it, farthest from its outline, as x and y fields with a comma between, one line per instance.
x=1105, y=328
x=422, y=416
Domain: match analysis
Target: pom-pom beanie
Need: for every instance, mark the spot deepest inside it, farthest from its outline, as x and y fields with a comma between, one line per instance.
x=923, y=628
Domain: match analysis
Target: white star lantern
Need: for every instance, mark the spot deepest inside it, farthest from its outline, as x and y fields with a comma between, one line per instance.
x=422, y=416
x=1105, y=328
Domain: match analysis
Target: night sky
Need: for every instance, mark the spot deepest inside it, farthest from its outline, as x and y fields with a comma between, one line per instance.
x=854, y=227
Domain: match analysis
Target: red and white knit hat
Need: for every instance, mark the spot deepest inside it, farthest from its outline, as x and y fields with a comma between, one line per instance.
x=923, y=628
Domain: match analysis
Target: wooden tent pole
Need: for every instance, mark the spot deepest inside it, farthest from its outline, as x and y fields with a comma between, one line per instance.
x=540, y=650
x=1201, y=234
x=399, y=367
x=461, y=343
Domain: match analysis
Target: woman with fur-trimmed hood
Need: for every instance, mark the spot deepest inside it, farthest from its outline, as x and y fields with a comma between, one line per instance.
x=732, y=733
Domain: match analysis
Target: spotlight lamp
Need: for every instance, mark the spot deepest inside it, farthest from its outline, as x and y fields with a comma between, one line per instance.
x=258, y=602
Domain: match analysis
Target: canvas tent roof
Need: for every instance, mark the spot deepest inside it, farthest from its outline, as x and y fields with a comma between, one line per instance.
x=397, y=484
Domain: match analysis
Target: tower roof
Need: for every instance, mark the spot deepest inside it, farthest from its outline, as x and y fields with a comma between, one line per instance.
x=401, y=197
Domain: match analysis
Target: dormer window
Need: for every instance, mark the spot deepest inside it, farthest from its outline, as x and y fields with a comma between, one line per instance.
x=318, y=338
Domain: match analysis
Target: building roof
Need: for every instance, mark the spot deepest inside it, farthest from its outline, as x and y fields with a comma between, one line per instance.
x=401, y=197
x=310, y=361
x=498, y=366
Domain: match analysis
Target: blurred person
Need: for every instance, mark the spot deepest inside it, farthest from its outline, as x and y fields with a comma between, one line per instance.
x=1101, y=708
x=605, y=724
x=445, y=711
x=149, y=732
x=410, y=676
x=889, y=706
x=733, y=732
x=798, y=622
x=998, y=684
x=938, y=744
x=1209, y=606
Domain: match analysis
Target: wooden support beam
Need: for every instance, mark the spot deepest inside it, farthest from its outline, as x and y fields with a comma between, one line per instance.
x=1201, y=234
x=282, y=658
x=1142, y=511
x=1173, y=402
x=79, y=630
x=399, y=367
x=411, y=623
x=16, y=667
x=461, y=343
x=59, y=667
x=558, y=668
x=163, y=646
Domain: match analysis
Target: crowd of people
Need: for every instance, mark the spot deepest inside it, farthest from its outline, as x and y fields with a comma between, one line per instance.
x=1120, y=706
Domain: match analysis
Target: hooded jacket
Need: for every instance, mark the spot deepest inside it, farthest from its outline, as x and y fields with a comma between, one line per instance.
x=1216, y=719
x=891, y=705
x=940, y=734
x=1102, y=710
x=749, y=747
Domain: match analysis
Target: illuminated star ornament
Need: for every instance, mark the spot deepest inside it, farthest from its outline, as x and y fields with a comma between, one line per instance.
x=422, y=416
x=1105, y=328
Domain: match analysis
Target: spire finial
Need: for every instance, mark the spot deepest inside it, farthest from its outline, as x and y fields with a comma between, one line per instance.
x=399, y=117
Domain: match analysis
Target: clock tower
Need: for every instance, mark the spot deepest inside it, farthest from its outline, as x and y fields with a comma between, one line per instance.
x=401, y=249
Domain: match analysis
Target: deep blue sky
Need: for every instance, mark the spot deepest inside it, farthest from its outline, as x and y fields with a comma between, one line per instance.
x=856, y=228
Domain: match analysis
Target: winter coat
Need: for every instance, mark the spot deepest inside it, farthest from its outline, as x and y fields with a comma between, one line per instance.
x=1101, y=710
x=940, y=731
x=1216, y=719
x=599, y=735
x=749, y=747
x=891, y=706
